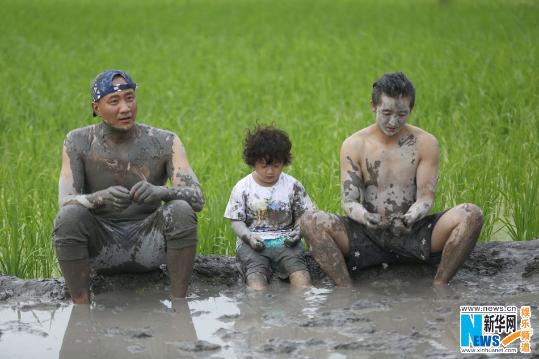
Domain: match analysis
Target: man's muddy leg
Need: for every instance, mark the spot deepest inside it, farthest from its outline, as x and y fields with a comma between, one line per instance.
x=180, y=230
x=329, y=243
x=75, y=231
x=77, y=276
x=180, y=268
x=455, y=234
x=257, y=281
x=300, y=279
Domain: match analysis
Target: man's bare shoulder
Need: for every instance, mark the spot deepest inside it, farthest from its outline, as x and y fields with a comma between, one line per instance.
x=81, y=137
x=425, y=140
x=357, y=140
x=157, y=136
x=82, y=131
x=155, y=131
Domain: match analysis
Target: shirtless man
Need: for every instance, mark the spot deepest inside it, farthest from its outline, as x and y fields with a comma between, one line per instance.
x=111, y=189
x=389, y=173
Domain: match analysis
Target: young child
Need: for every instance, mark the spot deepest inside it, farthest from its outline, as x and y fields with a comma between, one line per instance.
x=264, y=210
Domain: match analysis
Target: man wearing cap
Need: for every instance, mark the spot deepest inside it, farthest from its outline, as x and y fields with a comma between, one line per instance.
x=116, y=214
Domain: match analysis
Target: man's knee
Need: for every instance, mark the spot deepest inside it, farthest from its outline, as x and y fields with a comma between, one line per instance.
x=180, y=224
x=180, y=211
x=472, y=214
x=70, y=216
x=70, y=232
x=313, y=222
x=307, y=218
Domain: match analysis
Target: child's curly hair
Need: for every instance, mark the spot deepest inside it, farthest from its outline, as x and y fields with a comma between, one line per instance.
x=267, y=143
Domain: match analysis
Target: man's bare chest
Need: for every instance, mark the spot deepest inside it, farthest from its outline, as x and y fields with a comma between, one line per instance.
x=389, y=167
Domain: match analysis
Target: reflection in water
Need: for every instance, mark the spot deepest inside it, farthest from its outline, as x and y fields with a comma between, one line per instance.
x=128, y=324
x=382, y=317
x=32, y=329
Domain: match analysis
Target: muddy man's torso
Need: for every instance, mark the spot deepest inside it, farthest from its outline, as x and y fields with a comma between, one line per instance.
x=98, y=162
x=389, y=175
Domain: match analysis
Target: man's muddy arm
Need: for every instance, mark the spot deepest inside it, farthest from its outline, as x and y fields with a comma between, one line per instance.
x=243, y=233
x=353, y=188
x=185, y=185
x=68, y=191
x=426, y=179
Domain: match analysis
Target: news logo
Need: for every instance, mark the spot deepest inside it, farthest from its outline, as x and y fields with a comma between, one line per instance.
x=495, y=329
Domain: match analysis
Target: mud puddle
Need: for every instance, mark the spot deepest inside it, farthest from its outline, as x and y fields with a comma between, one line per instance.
x=392, y=312
x=386, y=318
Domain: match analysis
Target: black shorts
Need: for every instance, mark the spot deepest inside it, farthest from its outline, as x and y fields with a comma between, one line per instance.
x=370, y=247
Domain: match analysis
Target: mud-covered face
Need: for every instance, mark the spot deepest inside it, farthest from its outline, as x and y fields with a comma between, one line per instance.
x=118, y=109
x=391, y=114
x=267, y=174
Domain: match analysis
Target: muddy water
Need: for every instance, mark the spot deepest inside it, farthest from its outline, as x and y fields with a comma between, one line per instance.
x=392, y=312
x=384, y=318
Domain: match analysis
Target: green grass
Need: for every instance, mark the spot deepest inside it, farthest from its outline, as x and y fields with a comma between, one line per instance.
x=210, y=69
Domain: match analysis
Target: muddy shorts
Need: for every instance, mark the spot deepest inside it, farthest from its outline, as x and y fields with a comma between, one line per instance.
x=281, y=260
x=368, y=247
x=123, y=245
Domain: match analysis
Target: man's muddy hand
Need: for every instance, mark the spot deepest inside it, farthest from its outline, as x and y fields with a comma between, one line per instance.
x=256, y=243
x=372, y=220
x=399, y=226
x=115, y=198
x=408, y=219
x=145, y=192
x=293, y=238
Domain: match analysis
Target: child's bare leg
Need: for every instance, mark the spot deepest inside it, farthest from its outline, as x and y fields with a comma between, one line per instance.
x=300, y=279
x=257, y=281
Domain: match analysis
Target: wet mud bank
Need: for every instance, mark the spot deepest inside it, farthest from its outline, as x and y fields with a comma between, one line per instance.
x=514, y=265
x=392, y=311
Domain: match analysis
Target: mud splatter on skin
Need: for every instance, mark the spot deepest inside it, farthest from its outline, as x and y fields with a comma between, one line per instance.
x=189, y=191
x=320, y=229
x=370, y=207
x=352, y=164
x=100, y=157
x=393, y=208
x=373, y=170
x=410, y=140
x=391, y=114
x=352, y=188
x=417, y=211
x=461, y=241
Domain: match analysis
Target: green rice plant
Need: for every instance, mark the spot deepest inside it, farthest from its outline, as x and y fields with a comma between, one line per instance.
x=25, y=248
x=521, y=217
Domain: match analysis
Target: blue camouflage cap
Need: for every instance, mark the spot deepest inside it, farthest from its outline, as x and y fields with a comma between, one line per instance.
x=102, y=84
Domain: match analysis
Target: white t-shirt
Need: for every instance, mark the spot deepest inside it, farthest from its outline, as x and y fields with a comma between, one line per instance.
x=270, y=212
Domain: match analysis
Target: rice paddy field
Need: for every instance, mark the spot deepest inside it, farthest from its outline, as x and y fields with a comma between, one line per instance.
x=210, y=69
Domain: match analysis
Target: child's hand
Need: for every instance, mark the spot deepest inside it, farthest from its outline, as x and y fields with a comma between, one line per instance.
x=293, y=238
x=256, y=243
